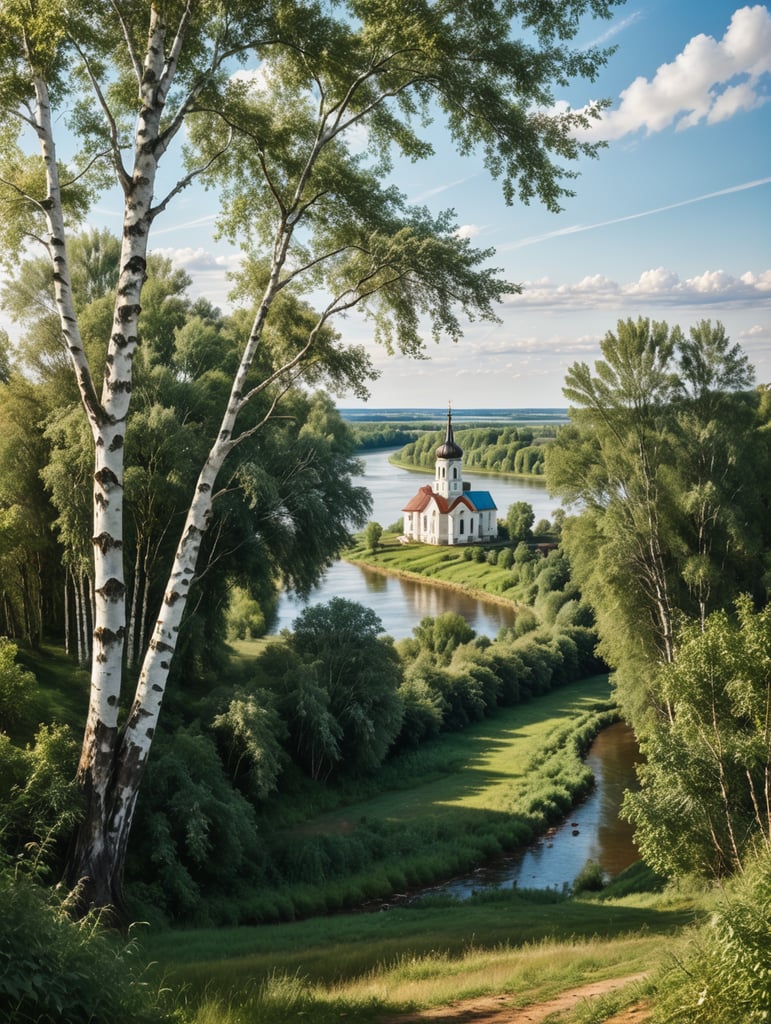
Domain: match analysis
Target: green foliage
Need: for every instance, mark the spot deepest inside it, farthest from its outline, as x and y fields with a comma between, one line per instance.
x=39, y=800
x=705, y=783
x=197, y=832
x=372, y=534
x=721, y=971
x=17, y=690
x=443, y=634
x=519, y=521
x=245, y=617
x=664, y=456
x=254, y=732
x=360, y=674
x=493, y=449
x=590, y=878
x=55, y=969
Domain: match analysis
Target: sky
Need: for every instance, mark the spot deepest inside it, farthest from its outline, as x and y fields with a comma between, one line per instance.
x=671, y=222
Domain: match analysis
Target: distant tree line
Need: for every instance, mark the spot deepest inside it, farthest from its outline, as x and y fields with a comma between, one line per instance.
x=514, y=450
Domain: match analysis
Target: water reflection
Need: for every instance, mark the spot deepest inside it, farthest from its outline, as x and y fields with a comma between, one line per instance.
x=401, y=604
x=592, y=830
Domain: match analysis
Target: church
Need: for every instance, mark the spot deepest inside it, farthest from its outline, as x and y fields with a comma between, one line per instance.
x=449, y=512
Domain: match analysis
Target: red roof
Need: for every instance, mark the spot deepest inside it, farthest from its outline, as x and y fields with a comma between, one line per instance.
x=426, y=493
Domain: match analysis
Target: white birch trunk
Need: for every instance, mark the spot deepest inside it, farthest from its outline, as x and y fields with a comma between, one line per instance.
x=96, y=863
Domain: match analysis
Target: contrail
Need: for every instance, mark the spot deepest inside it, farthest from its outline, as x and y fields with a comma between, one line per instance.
x=576, y=228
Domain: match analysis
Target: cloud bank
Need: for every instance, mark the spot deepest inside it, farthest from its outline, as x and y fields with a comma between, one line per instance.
x=710, y=81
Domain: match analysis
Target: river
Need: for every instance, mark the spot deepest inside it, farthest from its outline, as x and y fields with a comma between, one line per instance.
x=401, y=604
x=593, y=831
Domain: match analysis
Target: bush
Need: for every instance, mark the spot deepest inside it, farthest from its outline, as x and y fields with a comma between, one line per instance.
x=723, y=973
x=589, y=879
x=505, y=558
x=17, y=690
x=53, y=969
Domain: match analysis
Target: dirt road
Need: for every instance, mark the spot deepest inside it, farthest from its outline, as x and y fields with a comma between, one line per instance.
x=498, y=1009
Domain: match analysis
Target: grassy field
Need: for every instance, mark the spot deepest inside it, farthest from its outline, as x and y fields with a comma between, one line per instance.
x=431, y=813
x=367, y=967
x=444, y=565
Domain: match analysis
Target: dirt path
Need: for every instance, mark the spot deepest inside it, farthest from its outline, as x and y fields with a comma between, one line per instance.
x=498, y=1009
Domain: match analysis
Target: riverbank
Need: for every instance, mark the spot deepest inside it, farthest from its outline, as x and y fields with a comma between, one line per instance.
x=479, y=593
x=457, y=568
x=537, y=478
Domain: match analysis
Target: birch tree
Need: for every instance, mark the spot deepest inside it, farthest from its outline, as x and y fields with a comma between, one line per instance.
x=258, y=99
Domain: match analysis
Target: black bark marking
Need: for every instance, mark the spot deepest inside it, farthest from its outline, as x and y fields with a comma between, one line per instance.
x=105, y=636
x=156, y=688
x=113, y=590
x=136, y=265
x=159, y=645
x=106, y=542
x=112, y=700
x=116, y=443
x=129, y=312
x=204, y=487
x=106, y=478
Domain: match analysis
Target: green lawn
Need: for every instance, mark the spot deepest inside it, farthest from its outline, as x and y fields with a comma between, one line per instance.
x=446, y=565
x=486, y=767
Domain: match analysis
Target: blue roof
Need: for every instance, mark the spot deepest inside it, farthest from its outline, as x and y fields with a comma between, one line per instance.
x=481, y=500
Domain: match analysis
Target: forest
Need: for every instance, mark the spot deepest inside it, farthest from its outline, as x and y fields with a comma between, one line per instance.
x=509, y=449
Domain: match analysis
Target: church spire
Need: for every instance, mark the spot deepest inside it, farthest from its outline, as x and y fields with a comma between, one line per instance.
x=449, y=449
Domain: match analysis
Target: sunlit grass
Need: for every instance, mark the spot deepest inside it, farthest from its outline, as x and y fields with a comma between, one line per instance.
x=519, y=975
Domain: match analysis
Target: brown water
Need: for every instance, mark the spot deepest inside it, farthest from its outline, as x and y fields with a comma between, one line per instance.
x=592, y=830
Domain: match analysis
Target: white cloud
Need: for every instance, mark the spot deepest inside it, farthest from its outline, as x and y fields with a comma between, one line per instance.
x=655, y=286
x=468, y=231
x=199, y=260
x=700, y=84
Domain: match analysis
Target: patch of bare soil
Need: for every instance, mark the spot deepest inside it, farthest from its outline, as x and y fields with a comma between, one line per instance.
x=498, y=1009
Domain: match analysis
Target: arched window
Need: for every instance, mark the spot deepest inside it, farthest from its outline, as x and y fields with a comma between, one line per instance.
x=455, y=472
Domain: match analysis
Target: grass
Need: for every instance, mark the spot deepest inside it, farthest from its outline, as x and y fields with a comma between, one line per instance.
x=530, y=946
x=367, y=967
x=486, y=767
x=444, y=565
x=433, y=813
x=63, y=687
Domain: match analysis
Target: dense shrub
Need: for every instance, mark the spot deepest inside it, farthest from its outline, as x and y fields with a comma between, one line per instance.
x=17, y=690
x=722, y=973
x=39, y=801
x=56, y=971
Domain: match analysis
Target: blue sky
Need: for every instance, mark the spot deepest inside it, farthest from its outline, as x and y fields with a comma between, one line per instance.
x=672, y=222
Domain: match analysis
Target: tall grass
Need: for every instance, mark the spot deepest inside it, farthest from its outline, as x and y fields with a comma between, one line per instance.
x=364, y=967
x=54, y=970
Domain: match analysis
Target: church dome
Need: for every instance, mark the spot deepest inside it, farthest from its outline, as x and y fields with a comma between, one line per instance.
x=448, y=449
